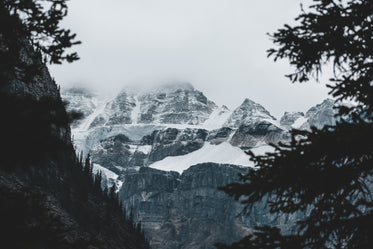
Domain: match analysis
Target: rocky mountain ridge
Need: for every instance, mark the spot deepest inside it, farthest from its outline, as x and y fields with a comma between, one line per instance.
x=137, y=128
x=168, y=149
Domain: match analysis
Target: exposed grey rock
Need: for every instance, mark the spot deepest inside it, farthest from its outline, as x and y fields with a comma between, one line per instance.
x=179, y=104
x=289, y=118
x=248, y=136
x=119, y=151
x=317, y=116
x=174, y=142
x=321, y=115
x=42, y=84
x=98, y=121
x=115, y=153
x=220, y=135
x=117, y=111
x=184, y=211
x=188, y=211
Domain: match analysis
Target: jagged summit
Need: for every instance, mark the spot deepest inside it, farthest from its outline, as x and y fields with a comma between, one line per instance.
x=171, y=103
x=180, y=103
x=326, y=104
x=248, y=112
x=321, y=114
x=318, y=116
x=177, y=103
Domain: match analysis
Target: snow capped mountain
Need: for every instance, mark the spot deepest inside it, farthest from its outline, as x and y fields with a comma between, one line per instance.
x=180, y=104
x=167, y=104
x=168, y=147
x=247, y=113
x=177, y=124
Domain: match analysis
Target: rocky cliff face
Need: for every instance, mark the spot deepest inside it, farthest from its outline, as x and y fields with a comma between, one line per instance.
x=39, y=85
x=289, y=118
x=187, y=210
x=119, y=152
x=250, y=135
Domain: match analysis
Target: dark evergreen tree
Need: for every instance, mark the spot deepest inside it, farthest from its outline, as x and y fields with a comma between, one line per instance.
x=326, y=172
x=106, y=191
x=87, y=166
x=112, y=193
x=138, y=227
x=80, y=156
x=37, y=21
x=131, y=218
x=97, y=181
x=90, y=173
x=124, y=214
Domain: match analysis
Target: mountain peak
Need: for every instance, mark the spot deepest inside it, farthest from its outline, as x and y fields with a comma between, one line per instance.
x=319, y=115
x=248, y=112
x=327, y=104
x=248, y=101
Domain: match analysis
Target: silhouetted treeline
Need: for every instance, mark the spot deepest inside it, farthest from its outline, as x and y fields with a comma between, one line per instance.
x=36, y=153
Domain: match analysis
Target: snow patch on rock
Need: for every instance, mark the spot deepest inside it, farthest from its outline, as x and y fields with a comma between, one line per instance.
x=223, y=153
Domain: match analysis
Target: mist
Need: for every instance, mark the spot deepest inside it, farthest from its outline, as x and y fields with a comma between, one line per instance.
x=219, y=46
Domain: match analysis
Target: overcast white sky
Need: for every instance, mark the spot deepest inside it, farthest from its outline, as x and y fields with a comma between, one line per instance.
x=217, y=45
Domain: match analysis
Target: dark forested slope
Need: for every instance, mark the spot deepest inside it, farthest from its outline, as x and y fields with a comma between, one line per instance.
x=49, y=197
